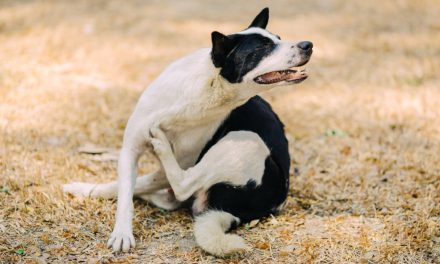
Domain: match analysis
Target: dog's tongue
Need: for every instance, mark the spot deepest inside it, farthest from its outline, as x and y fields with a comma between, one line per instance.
x=278, y=76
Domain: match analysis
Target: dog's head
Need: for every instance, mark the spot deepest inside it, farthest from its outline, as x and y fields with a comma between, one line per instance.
x=257, y=58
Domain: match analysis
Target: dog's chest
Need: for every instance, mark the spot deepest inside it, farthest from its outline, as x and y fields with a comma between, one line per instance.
x=189, y=143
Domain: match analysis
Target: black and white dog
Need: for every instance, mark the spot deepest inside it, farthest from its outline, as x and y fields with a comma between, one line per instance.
x=220, y=145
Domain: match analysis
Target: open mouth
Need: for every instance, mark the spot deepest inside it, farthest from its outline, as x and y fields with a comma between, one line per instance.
x=289, y=75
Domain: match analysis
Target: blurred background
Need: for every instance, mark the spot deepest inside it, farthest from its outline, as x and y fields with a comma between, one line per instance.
x=364, y=129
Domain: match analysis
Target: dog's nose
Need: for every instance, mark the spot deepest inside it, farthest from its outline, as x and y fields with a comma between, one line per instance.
x=305, y=45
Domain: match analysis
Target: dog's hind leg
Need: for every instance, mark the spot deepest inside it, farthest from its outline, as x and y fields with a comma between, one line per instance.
x=153, y=188
x=145, y=185
x=238, y=158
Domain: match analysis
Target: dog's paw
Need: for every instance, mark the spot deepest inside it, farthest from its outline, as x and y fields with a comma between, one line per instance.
x=121, y=241
x=79, y=189
x=159, y=141
x=156, y=132
x=159, y=146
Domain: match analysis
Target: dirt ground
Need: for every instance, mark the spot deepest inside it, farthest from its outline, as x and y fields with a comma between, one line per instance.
x=364, y=129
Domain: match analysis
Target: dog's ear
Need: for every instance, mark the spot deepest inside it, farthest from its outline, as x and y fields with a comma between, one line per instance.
x=221, y=46
x=261, y=19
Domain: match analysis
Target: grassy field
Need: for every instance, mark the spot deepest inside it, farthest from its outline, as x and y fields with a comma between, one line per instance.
x=364, y=129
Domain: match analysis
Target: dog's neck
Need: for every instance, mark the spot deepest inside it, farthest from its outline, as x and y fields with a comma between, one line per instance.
x=221, y=96
x=211, y=103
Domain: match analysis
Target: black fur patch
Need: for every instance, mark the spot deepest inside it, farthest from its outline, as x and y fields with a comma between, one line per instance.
x=250, y=201
x=247, y=52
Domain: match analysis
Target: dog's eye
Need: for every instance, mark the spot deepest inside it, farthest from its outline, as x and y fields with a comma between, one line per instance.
x=278, y=37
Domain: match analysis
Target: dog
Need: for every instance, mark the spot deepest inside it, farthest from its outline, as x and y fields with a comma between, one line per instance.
x=219, y=144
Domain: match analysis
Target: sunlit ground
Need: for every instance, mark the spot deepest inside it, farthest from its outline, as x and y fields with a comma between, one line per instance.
x=364, y=129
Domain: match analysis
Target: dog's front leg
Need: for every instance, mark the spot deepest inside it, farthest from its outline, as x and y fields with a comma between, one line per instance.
x=122, y=235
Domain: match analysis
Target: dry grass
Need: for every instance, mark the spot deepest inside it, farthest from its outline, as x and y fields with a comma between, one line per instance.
x=364, y=129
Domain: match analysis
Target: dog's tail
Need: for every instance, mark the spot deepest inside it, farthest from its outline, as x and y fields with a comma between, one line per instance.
x=209, y=231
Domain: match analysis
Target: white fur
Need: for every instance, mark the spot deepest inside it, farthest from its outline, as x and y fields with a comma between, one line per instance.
x=209, y=231
x=256, y=30
x=189, y=100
